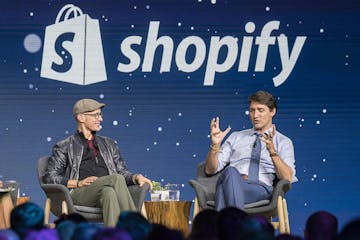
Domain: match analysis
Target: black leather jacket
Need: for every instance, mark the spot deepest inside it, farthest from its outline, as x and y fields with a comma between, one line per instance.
x=64, y=163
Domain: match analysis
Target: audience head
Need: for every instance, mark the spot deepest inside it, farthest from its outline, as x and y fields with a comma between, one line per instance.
x=111, y=234
x=160, y=232
x=321, y=225
x=351, y=230
x=257, y=228
x=85, y=231
x=26, y=217
x=8, y=234
x=230, y=220
x=66, y=229
x=286, y=236
x=204, y=225
x=135, y=224
x=74, y=217
x=46, y=233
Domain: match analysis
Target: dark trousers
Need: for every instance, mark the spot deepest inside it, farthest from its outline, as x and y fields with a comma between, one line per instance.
x=109, y=192
x=234, y=191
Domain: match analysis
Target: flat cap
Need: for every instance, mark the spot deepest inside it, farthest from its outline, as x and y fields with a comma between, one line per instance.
x=86, y=105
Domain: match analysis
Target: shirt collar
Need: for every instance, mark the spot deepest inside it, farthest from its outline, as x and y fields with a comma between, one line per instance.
x=82, y=137
x=253, y=131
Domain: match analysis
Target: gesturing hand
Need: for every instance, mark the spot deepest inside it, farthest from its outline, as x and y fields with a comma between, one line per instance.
x=215, y=133
x=267, y=138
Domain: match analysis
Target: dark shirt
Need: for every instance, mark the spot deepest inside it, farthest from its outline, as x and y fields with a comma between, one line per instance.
x=92, y=163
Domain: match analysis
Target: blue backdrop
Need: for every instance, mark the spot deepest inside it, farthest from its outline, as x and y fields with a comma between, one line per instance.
x=161, y=119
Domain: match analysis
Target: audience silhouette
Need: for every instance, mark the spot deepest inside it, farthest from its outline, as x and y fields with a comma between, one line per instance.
x=25, y=218
x=27, y=223
x=256, y=228
x=8, y=234
x=286, y=236
x=204, y=226
x=321, y=225
x=230, y=221
x=112, y=234
x=351, y=230
x=135, y=224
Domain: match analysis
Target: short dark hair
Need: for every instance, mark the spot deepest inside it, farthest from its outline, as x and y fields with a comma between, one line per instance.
x=321, y=225
x=26, y=217
x=351, y=230
x=264, y=98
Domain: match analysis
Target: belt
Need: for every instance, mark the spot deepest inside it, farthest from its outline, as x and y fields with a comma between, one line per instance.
x=244, y=176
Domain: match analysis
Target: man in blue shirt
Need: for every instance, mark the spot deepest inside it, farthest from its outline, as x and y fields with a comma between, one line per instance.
x=255, y=156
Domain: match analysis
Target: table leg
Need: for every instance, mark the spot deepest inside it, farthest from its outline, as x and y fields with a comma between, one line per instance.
x=6, y=207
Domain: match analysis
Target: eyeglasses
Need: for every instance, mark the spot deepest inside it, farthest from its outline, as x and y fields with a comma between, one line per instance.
x=94, y=115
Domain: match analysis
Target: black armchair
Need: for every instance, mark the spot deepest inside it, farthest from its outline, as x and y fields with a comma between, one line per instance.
x=205, y=186
x=59, y=201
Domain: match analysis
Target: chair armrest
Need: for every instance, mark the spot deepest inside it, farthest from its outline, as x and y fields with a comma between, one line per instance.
x=138, y=194
x=281, y=188
x=205, y=186
x=58, y=193
x=203, y=193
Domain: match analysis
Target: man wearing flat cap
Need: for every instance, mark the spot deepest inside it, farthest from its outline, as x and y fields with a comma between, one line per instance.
x=91, y=166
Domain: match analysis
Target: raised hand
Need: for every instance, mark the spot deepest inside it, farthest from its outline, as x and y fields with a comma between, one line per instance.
x=217, y=136
x=267, y=138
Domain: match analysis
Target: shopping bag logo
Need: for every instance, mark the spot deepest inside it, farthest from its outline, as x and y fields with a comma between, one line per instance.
x=73, y=49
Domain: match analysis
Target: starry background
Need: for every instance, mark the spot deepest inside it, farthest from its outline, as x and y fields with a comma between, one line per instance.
x=161, y=120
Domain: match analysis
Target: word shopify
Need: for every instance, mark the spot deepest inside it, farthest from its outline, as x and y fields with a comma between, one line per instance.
x=214, y=64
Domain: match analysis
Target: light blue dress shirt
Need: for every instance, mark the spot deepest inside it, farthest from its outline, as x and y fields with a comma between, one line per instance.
x=237, y=148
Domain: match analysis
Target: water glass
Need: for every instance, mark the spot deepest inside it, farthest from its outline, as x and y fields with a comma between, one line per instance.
x=155, y=196
x=174, y=195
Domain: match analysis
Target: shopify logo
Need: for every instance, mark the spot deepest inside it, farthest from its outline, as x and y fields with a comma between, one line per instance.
x=73, y=48
x=238, y=56
x=73, y=51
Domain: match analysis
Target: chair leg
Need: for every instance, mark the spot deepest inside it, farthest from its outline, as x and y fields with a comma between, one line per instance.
x=196, y=207
x=64, y=208
x=143, y=211
x=286, y=217
x=280, y=209
x=47, y=211
x=275, y=224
